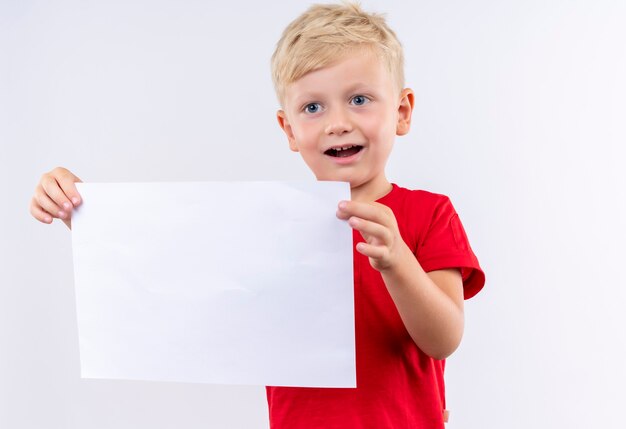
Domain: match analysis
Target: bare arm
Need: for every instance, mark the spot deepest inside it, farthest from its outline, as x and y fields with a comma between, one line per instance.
x=430, y=304
x=55, y=197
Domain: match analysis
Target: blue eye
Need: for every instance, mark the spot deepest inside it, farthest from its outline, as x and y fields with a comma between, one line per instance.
x=360, y=100
x=312, y=108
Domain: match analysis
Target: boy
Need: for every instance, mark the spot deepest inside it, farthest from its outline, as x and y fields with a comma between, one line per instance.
x=338, y=74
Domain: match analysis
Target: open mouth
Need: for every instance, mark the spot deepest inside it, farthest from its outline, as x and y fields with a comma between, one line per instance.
x=343, y=152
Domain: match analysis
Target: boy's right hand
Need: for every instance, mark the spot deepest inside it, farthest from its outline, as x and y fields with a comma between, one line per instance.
x=55, y=196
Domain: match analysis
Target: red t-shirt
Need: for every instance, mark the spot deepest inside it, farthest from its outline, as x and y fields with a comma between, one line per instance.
x=398, y=385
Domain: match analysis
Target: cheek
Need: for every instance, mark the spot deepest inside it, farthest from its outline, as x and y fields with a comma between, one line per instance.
x=306, y=134
x=379, y=126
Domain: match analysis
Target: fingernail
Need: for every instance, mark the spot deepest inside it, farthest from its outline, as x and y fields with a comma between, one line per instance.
x=75, y=200
x=342, y=204
x=61, y=214
x=47, y=219
x=66, y=205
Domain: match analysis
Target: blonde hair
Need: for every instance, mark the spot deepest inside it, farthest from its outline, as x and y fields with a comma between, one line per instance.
x=327, y=32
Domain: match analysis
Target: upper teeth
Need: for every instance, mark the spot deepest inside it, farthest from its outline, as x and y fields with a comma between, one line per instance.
x=343, y=148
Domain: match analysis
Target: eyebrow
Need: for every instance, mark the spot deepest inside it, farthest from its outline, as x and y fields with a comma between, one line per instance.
x=355, y=88
x=360, y=85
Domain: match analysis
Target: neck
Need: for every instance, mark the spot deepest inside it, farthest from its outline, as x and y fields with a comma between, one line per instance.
x=371, y=191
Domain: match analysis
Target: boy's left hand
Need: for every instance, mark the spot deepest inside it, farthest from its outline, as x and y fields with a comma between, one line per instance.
x=378, y=226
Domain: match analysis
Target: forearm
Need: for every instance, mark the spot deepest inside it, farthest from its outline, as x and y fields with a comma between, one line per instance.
x=430, y=305
x=432, y=318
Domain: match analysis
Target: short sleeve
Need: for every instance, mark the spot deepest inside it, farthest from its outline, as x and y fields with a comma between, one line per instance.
x=445, y=245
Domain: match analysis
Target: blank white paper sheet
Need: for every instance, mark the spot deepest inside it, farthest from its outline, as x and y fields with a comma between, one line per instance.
x=217, y=282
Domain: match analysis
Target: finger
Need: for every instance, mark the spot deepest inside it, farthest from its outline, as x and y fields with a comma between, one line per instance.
x=67, y=222
x=38, y=213
x=48, y=205
x=54, y=192
x=371, y=229
x=374, y=212
x=67, y=182
x=372, y=251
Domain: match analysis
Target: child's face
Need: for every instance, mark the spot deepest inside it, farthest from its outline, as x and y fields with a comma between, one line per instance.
x=343, y=120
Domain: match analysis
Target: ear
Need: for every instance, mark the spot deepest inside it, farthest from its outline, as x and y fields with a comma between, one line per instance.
x=286, y=127
x=405, y=109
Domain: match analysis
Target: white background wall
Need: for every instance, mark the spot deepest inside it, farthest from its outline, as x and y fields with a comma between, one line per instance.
x=520, y=118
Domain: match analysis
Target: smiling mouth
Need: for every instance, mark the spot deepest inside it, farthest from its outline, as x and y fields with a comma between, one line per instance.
x=343, y=152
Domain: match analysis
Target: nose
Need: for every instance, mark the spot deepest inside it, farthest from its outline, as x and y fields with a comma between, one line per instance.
x=338, y=122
